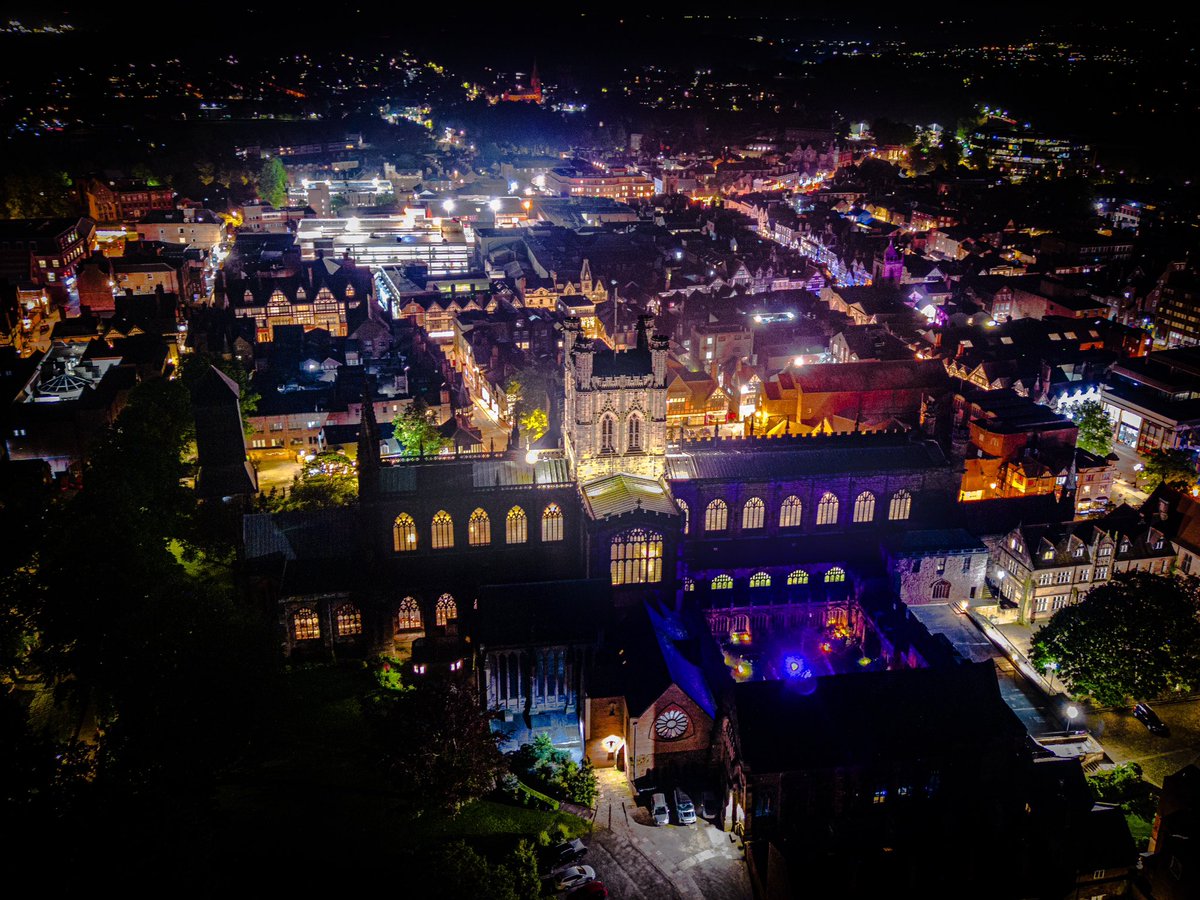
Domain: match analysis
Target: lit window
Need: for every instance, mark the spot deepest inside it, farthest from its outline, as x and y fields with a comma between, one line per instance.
x=306, y=626
x=516, y=526
x=900, y=506
x=760, y=580
x=349, y=620
x=837, y=573
x=722, y=583
x=827, y=509
x=443, y=530
x=445, y=610
x=636, y=557
x=408, y=615
x=716, y=516
x=864, y=507
x=683, y=508
x=633, y=440
x=753, y=514
x=798, y=577
x=789, y=513
x=404, y=533
x=552, y=523
x=608, y=427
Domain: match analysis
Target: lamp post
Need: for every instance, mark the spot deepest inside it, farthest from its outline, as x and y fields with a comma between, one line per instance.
x=1072, y=714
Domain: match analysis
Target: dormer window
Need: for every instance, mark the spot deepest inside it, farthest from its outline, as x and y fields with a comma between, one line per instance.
x=1048, y=554
x=1124, y=546
x=1078, y=552
x=1106, y=550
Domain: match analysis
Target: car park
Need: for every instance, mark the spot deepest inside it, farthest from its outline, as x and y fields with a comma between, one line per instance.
x=659, y=809
x=1148, y=717
x=685, y=809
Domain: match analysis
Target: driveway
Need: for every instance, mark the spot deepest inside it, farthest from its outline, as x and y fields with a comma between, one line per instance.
x=1127, y=740
x=637, y=860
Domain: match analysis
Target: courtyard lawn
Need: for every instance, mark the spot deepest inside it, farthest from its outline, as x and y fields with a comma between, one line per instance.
x=488, y=818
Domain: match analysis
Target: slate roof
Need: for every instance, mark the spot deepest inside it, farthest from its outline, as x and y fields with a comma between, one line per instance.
x=888, y=375
x=617, y=495
x=541, y=612
x=607, y=363
x=863, y=717
x=920, y=543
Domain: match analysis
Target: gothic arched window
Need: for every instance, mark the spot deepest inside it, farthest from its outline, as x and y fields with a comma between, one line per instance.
x=683, y=508
x=408, y=615
x=349, y=620
x=900, y=506
x=798, y=577
x=941, y=590
x=722, y=583
x=608, y=433
x=442, y=535
x=754, y=514
x=864, y=507
x=516, y=526
x=552, y=523
x=789, y=513
x=306, y=624
x=716, y=516
x=636, y=557
x=827, y=509
x=633, y=434
x=760, y=579
x=479, y=529
x=404, y=533
x=445, y=610
x=837, y=573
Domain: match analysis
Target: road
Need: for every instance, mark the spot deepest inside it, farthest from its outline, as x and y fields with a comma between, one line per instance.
x=1127, y=740
x=637, y=860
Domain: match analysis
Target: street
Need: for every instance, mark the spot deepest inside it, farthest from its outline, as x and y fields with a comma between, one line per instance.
x=636, y=859
x=1128, y=740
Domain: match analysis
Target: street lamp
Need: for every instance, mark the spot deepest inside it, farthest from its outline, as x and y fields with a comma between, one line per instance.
x=1072, y=714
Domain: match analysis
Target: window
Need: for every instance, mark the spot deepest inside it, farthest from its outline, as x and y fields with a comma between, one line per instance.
x=722, y=583
x=349, y=620
x=1041, y=604
x=837, y=573
x=443, y=530
x=636, y=557
x=633, y=434
x=516, y=526
x=1044, y=578
x=789, y=513
x=941, y=590
x=827, y=509
x=445, y=610
x=683, y=508
x=1124, y=547
x=1106, y=550
x=1063, y=577
x=864, y=507
x=798, y=577
x=305, y=624
x=408, y=615
x=608, y=427
x=1058, y=601
x=966, y=565
x=404, y=533
x=880, y=797
x=689, y=584
x=1101, y=573
x=716, y=516
x=754, y=514
x=760, y=580
x=552, y=523
x=900, y=506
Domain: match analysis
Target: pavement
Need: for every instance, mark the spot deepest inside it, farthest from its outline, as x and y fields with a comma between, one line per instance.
x=637, y=860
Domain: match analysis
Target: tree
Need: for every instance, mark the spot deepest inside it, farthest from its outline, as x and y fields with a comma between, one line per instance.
x=1169, y=466
x=273, y=182
x=330, y=480
x=437, y=742
x=1095, y=428
x=416, y=431
x=535, y=423
x=1136, y=636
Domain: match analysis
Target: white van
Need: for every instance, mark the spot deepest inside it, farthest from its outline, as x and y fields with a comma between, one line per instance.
x=659, y=810
x=685, y=808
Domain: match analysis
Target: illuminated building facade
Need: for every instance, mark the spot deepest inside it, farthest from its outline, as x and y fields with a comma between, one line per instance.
x=615, y=184
x=444, y=246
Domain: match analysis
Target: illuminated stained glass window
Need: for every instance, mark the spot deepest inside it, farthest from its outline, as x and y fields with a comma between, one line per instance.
x=552, y=523
x=445, y=610
x=306, y=625
x=722, y=583
x=408, y=615
x=837, y=573
x=754, y=514
x=404, y=532
x=636, y=557
x=760, y=580
x=864, y=507
x=349, y=620
x=443, y=531
x=900, y=506
x=716, y=516
x=798, y=577
x=479, y=529
x=827, y=509
x=789, y=513
x=516, y=526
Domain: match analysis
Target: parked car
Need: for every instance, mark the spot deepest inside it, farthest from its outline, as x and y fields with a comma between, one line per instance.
x=708, y=805
x=684, y=808
x=1150, y=719
x=659, y=809
x=569, y=851
x=591, y=889
x=575, y=877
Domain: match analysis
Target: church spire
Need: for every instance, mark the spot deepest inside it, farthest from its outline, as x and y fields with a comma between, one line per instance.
x=368, y=448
